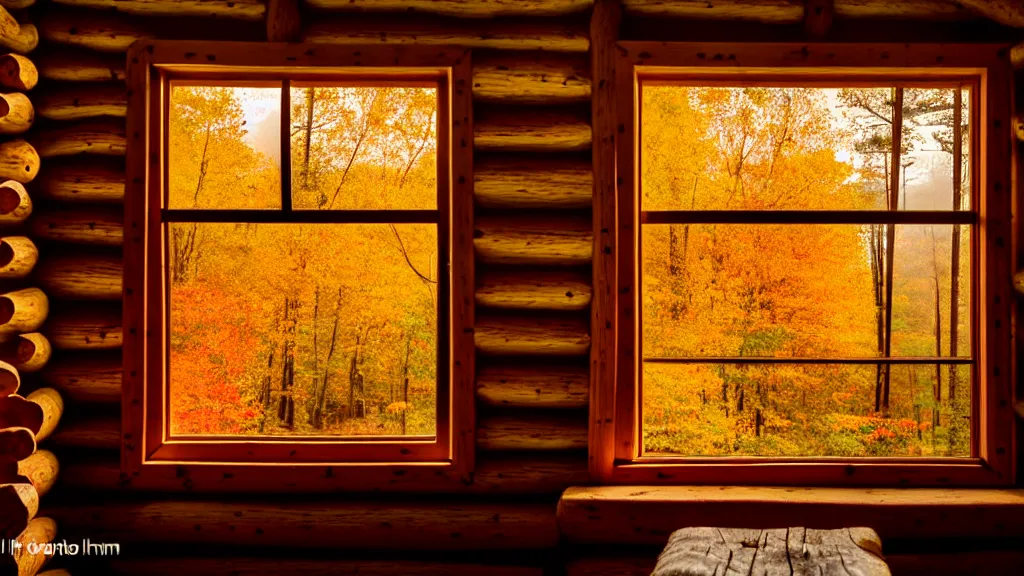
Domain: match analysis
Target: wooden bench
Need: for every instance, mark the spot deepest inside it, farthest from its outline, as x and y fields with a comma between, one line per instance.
x=773, y=552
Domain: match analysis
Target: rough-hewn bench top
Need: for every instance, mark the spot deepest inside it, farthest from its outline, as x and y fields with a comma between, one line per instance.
x=773, y=552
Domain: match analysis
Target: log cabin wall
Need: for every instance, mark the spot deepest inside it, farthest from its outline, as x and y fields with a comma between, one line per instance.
x=534, y=239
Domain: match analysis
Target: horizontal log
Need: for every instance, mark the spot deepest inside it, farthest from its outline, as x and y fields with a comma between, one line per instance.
x=8, y=25
x=101, y=226
x=547, y=335
x=25, y=42
x=81, y=276
x=19, y=503
x=18, y=72
x=238, y=9
x=532, y=432
x=19, y=161
x=93, y=378
x=612, y=566
x=99, y=136
x=499, y=35
x=16, y=113
x=541, y=290
x=92, y=327
x=318, y=567
x=542, y=130
x=16, y=4
x=15, y=203
x=539, y=78
x=533, y=183
x=16, y=444
x=538, y=240
x=41, y=470
x=27, y=353
x=459, y=8
x=52, y=405
x=83, y=179
x=625, y=515
x=359, y=525
x=23, y=311
x=18, y=255
x=903, y=9
x=537, y=385
x=70, y=65
x=100, y=432
x=498, y=474
x=10, y=380
x=81, y=101
x=19, y=412
x=100, y=31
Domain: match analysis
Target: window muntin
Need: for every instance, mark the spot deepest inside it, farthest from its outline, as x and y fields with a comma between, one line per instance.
x=802, y=266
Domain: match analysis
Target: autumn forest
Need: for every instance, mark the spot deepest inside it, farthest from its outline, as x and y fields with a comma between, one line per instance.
x=758, y=336
x=281, y=328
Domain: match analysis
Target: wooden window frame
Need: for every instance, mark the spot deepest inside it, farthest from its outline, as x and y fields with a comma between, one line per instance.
x=615, y=447
x=275, y=463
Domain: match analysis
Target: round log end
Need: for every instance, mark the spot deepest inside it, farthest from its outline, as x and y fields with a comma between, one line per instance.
x=10, y=381
x=23, y=311
x=18, y=412
x=51, y=407
x=18, y=72
x=16, y=444
x=15, y=204
x=19, y=161
x=41, y=469
x=18, y=255
x=19, y=504
x=33, y=352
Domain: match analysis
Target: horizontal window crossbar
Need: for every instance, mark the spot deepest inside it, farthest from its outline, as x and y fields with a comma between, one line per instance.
x=807, y=217
x=303, y=216
x=813, y=360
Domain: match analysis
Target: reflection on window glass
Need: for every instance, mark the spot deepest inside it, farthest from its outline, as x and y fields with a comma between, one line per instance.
x=707, y=148
x=364, y=148
x=287, y=329
x=224, y=147
x=802, y=410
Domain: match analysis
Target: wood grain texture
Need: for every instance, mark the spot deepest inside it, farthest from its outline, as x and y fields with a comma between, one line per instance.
x=23, y=310
x=19, y=161
x=99, y=31
x=536, y=386
x=31, y=558
x=91, y=275
x=531, y=79
x=534, y=432
x=495, y=474
x=904, y=9
x=18, y=72
x=41, y=469
x=87, y=378
x=101, y=226
x=83, y=431
x=104, y=137
x=541, y=335
x=297, y=524
x=459, y=8
x=52, y=406
x=540, y=240
x=18, y=256
x=71, y=65
x=765, y=11
x=16, y=113
x=533, y=290
x=541, y=130
x=81, y=101
x=648, y=514
x=239, y=9
x=15, y=203
x=95, y=326
x=426, y=31
x=24, y=42
x=284, y=21
x=532, y=183
x=83, y=179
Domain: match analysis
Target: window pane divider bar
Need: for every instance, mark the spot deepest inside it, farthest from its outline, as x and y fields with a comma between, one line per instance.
x=938, y=217
x=812, y=360
x=286, y=146
x=303, y=216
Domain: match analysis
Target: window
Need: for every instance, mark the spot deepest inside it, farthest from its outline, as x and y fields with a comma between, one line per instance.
x=814, y=242
x=303, y=215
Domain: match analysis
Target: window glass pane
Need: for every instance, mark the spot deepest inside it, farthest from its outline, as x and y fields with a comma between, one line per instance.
x=765, y=148
x=283, y=329
x=224, y=147
x=364, y=148
x=802, y=290
x=802, y=410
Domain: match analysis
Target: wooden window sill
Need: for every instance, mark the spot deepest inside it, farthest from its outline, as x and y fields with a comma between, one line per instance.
x=648, y=514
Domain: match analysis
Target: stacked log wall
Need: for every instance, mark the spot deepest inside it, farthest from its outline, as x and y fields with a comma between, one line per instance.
x=534, y=241
x=533, y=188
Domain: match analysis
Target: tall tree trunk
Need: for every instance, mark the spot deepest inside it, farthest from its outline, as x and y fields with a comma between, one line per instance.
x=890, y=244
x=405, y=383
x=936, y=419
x=954, y=271
x=310, y=103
